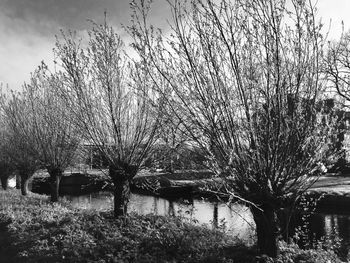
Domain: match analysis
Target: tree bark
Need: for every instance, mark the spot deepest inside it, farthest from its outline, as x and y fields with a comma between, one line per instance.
x=266, y=230
x=18, y=181
x=121, y=197
x=121, y=180
x=55, y=179
x=24, y=185
x=4, y=182
x=216, y=216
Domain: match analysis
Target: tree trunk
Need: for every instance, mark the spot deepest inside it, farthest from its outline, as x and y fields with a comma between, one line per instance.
x=24, y=185
x=55, y=178
x=216, y=216
x=121, y=197
x=266, y=230
x=169, y=162
x=4, y=182
x=18, y=181
x=121, y=180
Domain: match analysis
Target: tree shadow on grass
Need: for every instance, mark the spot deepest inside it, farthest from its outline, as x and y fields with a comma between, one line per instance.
x=8, y=253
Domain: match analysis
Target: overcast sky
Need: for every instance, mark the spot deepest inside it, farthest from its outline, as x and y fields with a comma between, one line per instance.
x=28, y=27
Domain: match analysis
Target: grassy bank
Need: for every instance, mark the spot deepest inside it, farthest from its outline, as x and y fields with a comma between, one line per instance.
x=33, y=230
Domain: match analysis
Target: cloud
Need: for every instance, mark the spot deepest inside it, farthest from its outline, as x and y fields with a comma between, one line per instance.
x=43, y=16
x=28, y=29
x=20, y=56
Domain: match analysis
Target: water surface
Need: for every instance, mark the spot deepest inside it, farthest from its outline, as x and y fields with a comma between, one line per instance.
x=332, y=226
x=236, y=218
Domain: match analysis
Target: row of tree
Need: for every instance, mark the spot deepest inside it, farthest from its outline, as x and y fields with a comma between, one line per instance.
x=38, y=131
x=240, y=80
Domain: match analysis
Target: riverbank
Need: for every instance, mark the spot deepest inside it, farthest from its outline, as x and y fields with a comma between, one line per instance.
x=331, y=190
x=34, y=230
x=153, y=183
x=73, y=182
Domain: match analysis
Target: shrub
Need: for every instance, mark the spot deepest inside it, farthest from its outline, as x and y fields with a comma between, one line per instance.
x=293, y=254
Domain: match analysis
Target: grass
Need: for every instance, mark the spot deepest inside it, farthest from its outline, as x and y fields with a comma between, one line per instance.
x=34, y=230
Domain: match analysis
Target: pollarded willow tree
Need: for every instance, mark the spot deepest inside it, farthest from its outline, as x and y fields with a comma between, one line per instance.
x=39, y=132
x=55, y=135
x=246, y=77
x=111, y=99
x=6, y=166
x=20, y=148
x=6, y=169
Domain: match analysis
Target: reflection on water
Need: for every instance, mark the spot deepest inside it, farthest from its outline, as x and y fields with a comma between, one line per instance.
x=327, y=227
x=333, y=227
x=97, y=201
x=237, y=218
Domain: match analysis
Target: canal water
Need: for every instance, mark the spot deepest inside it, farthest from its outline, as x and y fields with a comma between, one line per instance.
x=237, y=218
x=330, y=226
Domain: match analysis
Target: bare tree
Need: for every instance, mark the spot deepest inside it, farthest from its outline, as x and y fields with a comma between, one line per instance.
x=52, y=130
x=337, y=71
x=6, y=166
x=5, y=163
x=112, y=103
x=39, y=129
x=338, y=66
x=20, y=145
x=5, y=170
x=246, y=75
